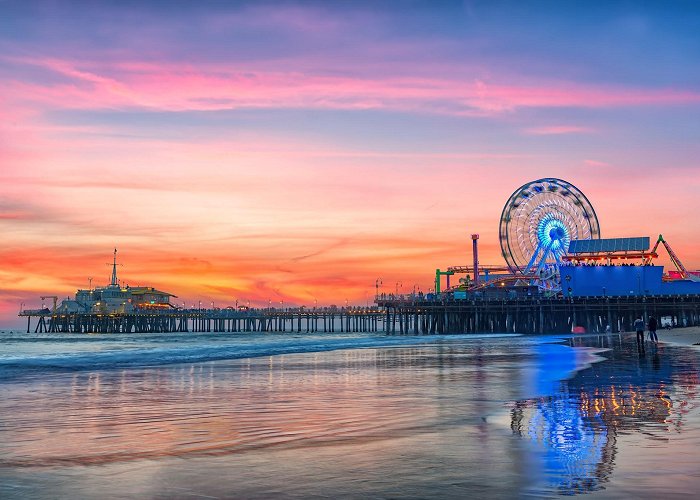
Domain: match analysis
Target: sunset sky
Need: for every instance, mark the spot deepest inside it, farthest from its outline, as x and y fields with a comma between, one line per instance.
x=298, y=151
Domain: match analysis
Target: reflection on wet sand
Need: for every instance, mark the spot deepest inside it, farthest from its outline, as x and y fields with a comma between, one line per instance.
x=574, y=432
x=221, y=408
x=406, y=421
x=209, y=409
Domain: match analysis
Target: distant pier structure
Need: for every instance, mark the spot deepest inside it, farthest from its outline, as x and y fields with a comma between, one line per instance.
x=394, y=314
x=118, y=308
x=324, y=319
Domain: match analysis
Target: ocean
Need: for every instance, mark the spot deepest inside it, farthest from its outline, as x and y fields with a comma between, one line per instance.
x=272, y=415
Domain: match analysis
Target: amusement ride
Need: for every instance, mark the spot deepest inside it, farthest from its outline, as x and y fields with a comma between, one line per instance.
x=538, y=224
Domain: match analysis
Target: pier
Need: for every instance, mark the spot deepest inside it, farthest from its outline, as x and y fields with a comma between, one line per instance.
x=347, y=319
x=417, y=315
x=397, y=315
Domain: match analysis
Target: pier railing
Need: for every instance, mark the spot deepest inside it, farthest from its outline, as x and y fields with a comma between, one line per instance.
x=346, y=319
x=416, y=315
x=411, y=314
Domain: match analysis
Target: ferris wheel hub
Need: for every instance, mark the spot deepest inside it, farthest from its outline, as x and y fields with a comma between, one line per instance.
x=557, y=233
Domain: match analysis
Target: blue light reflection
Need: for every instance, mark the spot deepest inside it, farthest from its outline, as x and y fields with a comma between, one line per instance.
x=553, y=234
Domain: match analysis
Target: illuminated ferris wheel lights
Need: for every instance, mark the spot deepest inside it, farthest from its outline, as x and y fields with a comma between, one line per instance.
x=540, y=219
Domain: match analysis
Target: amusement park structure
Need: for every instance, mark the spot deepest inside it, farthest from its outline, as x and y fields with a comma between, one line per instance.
x=683, y=273
x=560, y=276
x=548, y=227
x=537, y=224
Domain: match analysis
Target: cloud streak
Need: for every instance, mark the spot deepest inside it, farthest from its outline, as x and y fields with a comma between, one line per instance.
x=558, y=130
x=167, y=87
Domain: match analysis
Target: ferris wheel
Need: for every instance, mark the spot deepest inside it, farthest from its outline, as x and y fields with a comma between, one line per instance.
x=539, y=220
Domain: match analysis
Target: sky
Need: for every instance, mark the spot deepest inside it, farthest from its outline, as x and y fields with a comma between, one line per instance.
x=298, y=152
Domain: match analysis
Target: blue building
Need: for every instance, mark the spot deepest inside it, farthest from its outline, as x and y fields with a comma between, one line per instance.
x=621, y=280
x=618, y=267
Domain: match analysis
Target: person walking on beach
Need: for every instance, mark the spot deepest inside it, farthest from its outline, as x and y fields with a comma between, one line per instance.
x=652, y=330
x=639, y=327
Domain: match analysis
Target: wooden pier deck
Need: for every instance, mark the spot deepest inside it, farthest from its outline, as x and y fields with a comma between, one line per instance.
x=349, y=319
x=417, y=315
x=398, y=315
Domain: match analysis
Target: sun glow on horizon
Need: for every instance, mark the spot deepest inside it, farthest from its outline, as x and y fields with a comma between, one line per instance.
x=297, y=152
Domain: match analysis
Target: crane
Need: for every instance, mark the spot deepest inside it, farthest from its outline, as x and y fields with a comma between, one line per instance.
x=55, y=299
x=676, y=261
x=439, y=273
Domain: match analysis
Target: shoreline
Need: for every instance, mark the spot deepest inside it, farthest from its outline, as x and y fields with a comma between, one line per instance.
x=687, y=336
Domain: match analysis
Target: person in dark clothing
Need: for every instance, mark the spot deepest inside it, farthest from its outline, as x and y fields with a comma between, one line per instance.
x=639, y=327
x=652, y=330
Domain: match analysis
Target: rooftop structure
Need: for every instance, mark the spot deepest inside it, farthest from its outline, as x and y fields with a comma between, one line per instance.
x=114, y=298
x=609, y=245
x=609, y=250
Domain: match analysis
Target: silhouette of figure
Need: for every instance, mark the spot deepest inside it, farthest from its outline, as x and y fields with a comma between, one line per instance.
x=652, y=330
x=639, y=327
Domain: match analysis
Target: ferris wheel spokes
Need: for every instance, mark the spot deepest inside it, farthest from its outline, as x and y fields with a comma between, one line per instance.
x=537, y=224
x=536, y=255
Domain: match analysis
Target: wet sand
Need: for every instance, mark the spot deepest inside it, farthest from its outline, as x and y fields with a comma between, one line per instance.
x=420, y=417
x=681, y=336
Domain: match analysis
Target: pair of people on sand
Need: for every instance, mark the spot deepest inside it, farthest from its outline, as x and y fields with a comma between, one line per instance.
x=651, y=326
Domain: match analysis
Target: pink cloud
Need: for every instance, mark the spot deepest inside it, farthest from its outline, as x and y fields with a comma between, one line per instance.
x=558, y=130
x=210, y=87
x=596, y=163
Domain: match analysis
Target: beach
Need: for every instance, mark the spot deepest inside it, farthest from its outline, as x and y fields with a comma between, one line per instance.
x=689, y=336
x=313, y=417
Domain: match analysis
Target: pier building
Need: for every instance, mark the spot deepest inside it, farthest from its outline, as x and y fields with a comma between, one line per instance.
x=115, y=298
x=620, y=267
x=124, y=309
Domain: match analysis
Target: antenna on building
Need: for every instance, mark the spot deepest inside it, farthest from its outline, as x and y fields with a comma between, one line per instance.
x=114, y=281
